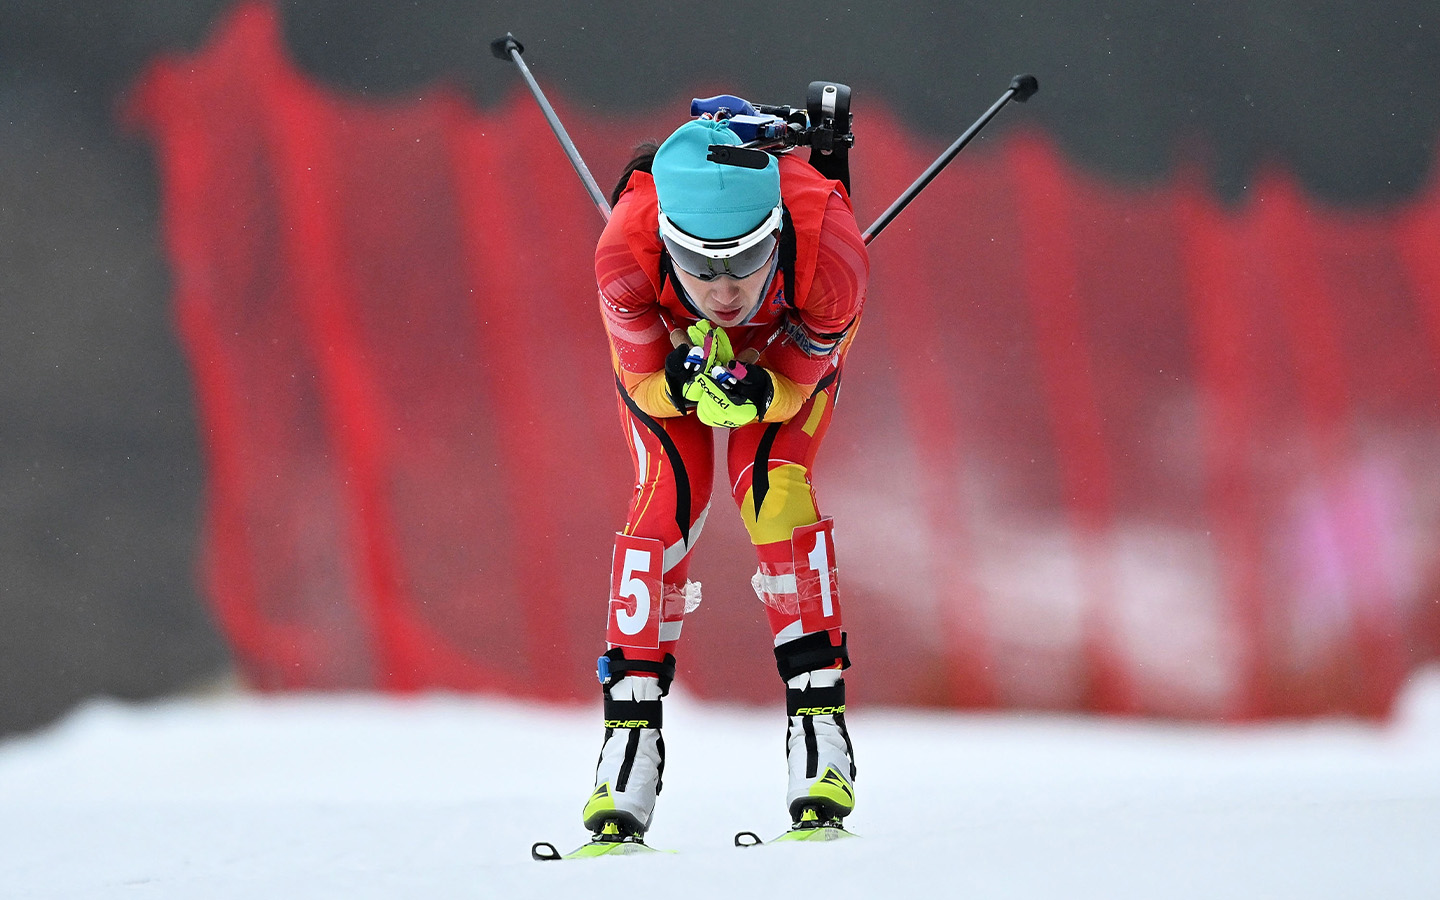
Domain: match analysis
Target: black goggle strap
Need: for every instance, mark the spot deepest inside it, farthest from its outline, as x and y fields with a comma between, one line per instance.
x=787, y=256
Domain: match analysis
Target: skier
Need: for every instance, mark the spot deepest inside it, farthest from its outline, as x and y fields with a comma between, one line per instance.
x=730, y=295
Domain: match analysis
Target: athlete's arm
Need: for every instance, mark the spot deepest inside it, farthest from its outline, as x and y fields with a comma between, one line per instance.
x=816, y=335
x=639, y=340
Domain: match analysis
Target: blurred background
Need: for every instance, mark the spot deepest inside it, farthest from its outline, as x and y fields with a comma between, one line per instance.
x=1143, y=418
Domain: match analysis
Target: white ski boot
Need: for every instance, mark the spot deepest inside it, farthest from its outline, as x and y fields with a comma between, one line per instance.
x=817, y=744
x=632, y=757
x=817, y=747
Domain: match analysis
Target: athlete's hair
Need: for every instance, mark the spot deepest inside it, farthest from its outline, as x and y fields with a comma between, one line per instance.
x=640, y=162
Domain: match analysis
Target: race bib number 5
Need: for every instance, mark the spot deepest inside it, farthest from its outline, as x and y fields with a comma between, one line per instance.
x=813, y=549
x=635, y=593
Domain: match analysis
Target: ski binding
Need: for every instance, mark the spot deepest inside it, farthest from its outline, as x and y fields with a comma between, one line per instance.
x=810, y=828
x=611, y=840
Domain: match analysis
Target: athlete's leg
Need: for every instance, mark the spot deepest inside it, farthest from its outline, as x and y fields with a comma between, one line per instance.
x=674, y=462
x=649, y=596
x=770, y=469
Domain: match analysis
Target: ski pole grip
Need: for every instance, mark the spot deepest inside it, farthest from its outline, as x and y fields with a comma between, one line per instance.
x=1024, y=87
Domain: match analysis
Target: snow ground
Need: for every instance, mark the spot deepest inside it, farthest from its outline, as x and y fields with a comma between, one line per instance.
x=441, y=796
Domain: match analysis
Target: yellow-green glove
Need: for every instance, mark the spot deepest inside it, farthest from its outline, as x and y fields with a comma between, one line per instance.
x=732, y=395
x=711, y=343
x=710, y=350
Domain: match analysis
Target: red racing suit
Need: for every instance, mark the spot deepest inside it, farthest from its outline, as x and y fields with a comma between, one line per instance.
x=802, y=341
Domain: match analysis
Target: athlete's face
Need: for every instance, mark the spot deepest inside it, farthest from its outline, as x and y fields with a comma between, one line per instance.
x=724, y=300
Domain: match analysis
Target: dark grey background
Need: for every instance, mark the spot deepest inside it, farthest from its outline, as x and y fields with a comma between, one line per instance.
x=100, y=476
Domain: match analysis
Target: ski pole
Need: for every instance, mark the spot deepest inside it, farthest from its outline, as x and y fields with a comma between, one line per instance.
x=1022, y=88
x=509, y=48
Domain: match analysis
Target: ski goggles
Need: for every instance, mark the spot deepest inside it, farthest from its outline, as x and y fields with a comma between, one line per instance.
x=738, y=257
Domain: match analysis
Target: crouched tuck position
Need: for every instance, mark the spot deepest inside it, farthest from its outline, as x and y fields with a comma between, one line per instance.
x=730, y=295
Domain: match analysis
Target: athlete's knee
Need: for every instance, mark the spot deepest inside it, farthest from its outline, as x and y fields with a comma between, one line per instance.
x=798, y=581
x=776, y=502
x=649, y=595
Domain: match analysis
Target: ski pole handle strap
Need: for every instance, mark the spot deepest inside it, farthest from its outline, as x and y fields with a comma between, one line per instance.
x=811, y=652
x=633, y=713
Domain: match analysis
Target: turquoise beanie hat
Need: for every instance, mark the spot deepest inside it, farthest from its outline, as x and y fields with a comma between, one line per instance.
x=707, y=199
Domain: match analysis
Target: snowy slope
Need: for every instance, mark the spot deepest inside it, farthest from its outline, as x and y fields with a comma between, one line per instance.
x=362, y=797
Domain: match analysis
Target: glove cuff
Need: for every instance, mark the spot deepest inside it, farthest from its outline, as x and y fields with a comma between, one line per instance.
x=756, y=387
x=677, y=376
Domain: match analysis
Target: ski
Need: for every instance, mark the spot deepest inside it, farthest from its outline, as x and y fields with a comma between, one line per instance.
x=544, y=851
x=810, y=828
x=612, y=841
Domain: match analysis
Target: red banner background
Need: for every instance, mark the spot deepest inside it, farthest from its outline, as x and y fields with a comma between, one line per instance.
x=1099, y=448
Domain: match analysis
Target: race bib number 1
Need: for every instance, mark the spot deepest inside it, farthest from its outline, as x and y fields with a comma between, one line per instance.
x=635, y=593
x=813, y=547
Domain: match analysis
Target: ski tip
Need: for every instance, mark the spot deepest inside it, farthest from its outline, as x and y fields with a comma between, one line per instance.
x=544, y=851
x=747, y=839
